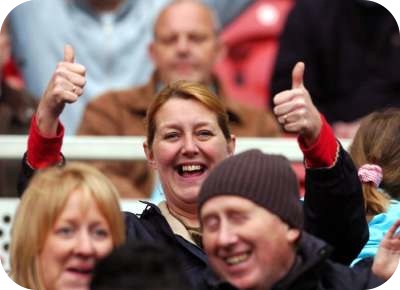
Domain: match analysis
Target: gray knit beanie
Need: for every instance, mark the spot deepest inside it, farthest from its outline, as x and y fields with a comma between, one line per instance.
x=267, y=180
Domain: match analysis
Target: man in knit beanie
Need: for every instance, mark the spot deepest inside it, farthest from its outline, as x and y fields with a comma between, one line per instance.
x=249, y=175
x=252, y=224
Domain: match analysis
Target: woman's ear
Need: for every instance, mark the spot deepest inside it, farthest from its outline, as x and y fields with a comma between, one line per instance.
x=149, y=156
x=232, y=145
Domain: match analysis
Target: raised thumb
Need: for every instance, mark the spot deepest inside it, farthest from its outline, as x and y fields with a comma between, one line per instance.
x=298, y=75
x=69, y=53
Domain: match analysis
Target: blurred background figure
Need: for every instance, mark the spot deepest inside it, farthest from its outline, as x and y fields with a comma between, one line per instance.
x=141, y=266
x=16, y=110
x=186, y=46
x=352, y=59
x=110, y=37
x=68, y=218
x=376, y=154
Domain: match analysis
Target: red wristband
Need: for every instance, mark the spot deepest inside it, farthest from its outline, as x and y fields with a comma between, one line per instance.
x=323, y=152
x=44, y=151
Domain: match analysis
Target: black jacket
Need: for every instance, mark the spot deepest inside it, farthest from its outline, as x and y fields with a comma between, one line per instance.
x=337, y=187
x=334, y=208
x=351, y=49
x=314, y=270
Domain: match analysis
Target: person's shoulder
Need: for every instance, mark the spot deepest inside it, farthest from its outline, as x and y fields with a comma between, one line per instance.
x=317, y=7
x=343, y=277
x=130, y=217
x=147, y=225
x=240, y=107
x=246, y=111
x=121, y=98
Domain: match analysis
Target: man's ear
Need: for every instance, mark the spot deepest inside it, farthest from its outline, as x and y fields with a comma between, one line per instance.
x=293, y=235
x=151, y=51
x=149, y=156
x=221, y=50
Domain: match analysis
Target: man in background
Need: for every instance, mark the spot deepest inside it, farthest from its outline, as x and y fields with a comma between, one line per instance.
x=185, y=47
x=110, y=39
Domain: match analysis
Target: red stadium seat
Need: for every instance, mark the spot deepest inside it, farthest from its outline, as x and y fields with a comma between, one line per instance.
x=12, y=75
x=252, y=42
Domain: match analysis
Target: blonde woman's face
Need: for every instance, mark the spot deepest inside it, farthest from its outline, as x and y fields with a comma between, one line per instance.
x=77, y=240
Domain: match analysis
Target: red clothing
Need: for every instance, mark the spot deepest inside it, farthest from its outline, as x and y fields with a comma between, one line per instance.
x=44, y=151
x=324, y=151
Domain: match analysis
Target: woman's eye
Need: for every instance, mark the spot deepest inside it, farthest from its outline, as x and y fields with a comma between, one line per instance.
x=65, y=231
x=101, y=233
x=204, y=134
x=171, y=136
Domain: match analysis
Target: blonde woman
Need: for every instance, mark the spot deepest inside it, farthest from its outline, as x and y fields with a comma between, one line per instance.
x=68, y=219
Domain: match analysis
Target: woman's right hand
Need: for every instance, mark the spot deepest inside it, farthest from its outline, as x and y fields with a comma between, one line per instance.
x=65, y=86
x=387, y=257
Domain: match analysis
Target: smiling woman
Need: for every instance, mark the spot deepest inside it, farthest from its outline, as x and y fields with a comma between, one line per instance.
x=183, y=148
x=67, y=231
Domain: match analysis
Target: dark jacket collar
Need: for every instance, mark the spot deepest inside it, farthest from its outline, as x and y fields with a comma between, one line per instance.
x=311, y=255
x=153, y=214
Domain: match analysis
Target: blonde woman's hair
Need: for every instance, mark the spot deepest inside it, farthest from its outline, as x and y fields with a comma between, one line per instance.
x=377, y=141
x=42, y=203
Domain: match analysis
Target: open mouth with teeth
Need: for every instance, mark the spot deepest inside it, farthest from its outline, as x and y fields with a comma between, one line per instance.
x=237, y=259
x=189, y=170
x=81, y=271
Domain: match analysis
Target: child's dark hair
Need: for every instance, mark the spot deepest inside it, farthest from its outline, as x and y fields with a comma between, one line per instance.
x=139, y=266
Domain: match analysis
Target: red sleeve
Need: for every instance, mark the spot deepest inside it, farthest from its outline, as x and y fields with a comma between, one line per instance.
x=323, y=152
x=44, y=151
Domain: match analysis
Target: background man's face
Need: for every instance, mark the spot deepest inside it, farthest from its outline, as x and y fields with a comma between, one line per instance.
x=4, y=45
x=185, y=45
x=246, y=244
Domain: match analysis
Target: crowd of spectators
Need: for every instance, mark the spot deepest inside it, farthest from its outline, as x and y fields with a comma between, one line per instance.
x=225, y=221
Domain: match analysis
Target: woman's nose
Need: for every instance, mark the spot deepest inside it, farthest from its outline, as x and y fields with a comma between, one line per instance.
x=84, y=244
x=190, y=146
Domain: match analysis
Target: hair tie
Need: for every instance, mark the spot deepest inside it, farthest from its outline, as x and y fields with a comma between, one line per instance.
x=370, y=173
